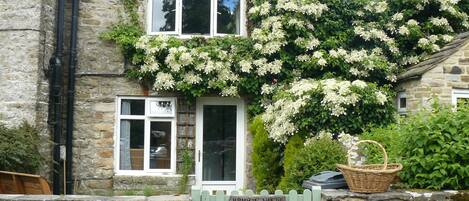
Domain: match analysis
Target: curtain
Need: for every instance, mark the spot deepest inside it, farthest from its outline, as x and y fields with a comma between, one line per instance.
x=124, y=162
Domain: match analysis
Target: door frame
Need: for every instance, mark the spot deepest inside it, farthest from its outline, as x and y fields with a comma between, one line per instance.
x=240, y=144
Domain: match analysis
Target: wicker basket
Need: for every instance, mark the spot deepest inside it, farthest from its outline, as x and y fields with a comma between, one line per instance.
x=369, y=178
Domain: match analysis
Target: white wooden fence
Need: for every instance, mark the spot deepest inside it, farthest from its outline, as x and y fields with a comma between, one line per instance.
x=308, y=195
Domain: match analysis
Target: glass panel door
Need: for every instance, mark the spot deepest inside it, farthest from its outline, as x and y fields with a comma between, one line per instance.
x=219, y=143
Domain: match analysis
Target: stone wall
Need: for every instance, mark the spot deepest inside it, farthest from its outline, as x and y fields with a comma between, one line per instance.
x=27, y=38
x=395, y=195
x=438, y=83
x=95, y=111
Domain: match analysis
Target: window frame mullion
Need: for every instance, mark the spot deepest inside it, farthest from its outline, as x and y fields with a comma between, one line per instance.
x=179, y=17
x=213, y=17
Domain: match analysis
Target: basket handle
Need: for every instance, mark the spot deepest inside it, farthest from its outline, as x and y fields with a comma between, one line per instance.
x=385, y=154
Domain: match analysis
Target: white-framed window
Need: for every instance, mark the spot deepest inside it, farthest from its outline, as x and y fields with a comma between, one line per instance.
x=460, y=97
x=402, y=102
x=186, y=18
x=145, y=137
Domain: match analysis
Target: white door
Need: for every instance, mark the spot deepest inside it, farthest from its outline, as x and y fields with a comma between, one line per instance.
x=220, y=130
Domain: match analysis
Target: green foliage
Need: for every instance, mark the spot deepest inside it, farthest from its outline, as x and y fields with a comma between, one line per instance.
x=292, y=149
x=391, y=140
x=127, y=31
x=148, y=191
x=187, y=165
x=266, y=158
x=304, y=161
x=365, y=113
x=19, y=151
x=435, y=151
x=125, y=35
x=130, y=193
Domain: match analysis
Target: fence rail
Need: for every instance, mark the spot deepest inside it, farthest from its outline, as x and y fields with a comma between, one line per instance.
x=308, y=195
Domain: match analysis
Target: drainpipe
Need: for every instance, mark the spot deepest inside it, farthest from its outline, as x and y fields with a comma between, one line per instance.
x=56, y=94
x=71, y=96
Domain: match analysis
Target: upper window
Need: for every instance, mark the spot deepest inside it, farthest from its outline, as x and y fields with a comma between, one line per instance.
x=402, y=102
x=196, y=17
x=460, y=97
x=146, y=135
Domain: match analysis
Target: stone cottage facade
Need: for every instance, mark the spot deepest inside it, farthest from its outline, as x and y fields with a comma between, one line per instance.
x=125, y=137
x=129, y=138
x=27, y=42
x=444, y=77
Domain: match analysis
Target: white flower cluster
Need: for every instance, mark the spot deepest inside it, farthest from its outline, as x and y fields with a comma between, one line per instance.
x=349, y=142
x=179, y=57
x=278, y=117
x=441, y=22
x=314, y=8
x=188, y=66
x=164, y=81
x=265, y=67
x=307, y=43
x=371, y=32
x=363, y=62
x=429, y=43
x=338, y=96
x=376, y=6
x=270, y=36
x=397, y=17
x=261, y=10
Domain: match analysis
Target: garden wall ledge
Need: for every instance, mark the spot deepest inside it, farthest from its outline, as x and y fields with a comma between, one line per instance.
x=345, y=195
x=94, y=198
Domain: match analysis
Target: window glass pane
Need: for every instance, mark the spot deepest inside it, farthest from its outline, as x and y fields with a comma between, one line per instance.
x=160, y=145
x=131, y=144
x=219, y=143
x=196, y=17
x=132, y=107
x=164, y=15
x=228, y=16
x=402, y=102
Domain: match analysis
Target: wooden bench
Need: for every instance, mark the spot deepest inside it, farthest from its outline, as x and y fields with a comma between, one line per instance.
x=20, y=183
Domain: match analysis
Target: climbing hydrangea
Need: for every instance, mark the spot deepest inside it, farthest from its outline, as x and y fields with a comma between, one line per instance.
x=334, y=68
x=335, y=97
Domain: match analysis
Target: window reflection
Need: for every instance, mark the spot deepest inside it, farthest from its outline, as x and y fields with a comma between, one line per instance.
x=228, y=16
x=164, y=15
x=160, y=145
x=196, y=17
x=219, y=143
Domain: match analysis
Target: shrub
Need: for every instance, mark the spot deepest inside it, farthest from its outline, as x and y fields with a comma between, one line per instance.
x=19, y=149
x=187, y=165
x=435, y=151
x=266, y=158
x=389, y=137
x=316, y=156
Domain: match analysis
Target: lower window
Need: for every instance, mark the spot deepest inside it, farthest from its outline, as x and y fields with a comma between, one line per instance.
x=146, y=143
x=460, y=97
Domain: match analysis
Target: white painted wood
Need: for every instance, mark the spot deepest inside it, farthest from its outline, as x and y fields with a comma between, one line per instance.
x=459, y=93
x=213, y=21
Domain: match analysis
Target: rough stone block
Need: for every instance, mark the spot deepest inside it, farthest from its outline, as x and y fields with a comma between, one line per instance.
x=98, y=184
x=108, y=153
x=104, y=107
x=465, y=78
x=464, y=61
